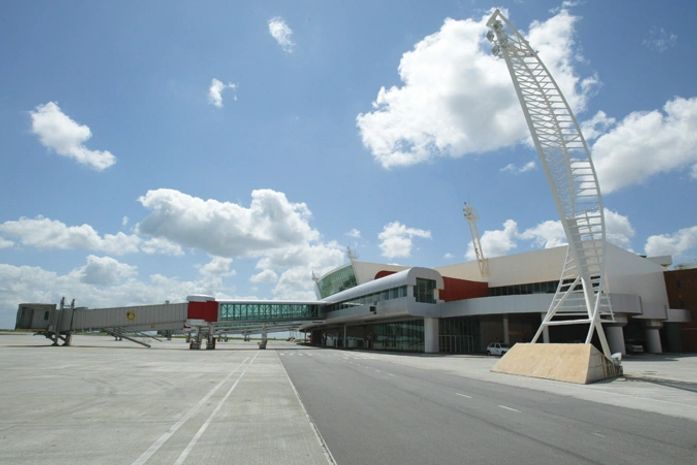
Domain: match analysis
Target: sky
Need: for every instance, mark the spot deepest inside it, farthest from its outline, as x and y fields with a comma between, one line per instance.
x=152, y=150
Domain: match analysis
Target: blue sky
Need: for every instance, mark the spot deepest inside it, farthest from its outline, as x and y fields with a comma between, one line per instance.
x=149, y=150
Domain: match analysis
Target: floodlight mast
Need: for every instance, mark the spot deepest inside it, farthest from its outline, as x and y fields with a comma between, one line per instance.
x=471, y=218
x=565, y=158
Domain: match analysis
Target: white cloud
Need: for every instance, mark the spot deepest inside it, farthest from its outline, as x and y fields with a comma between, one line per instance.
x=124, y=221
x=676, y=244
x=546, y=234
x=100, y=282
x=264, y=276
x=458, y=99
x=660, y=40
x=497, y=242
x=4, y=243
x=448, y=256
x=158, y=245
x=105, y=271
x=282, y=33
x=215, y=92
x=272, y=229
x=618, y=229
x=217, y=266
x=58, y=132
x=644, y=144
x=354, y=233
x=396, y=239
x=227, y=229
x=45, y=233
x=512, y=168
x=599, y=124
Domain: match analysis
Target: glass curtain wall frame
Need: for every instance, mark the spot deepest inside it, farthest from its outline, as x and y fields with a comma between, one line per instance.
x=337, y=281
x=387, y=294
x=425, y=291
x=459, y=335
x=267, y=311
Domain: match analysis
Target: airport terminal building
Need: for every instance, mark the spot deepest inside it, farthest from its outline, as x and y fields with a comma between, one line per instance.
x=454, y=309
x=451, y=309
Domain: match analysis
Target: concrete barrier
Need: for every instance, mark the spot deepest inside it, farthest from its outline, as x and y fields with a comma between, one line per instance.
x=572, y=363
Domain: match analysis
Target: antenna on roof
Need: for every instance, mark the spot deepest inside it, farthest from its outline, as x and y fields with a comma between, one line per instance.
x=472, y=218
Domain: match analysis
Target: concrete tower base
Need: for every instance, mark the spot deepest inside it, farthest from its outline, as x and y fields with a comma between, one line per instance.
x=572, y=363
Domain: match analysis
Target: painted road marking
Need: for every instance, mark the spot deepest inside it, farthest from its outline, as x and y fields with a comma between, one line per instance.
x=327, y=453
x=159, y=442
x=511, y=409
x=463, y=395
x=187, y=450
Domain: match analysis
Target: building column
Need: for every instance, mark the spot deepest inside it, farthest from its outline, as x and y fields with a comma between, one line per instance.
x=506, y=336
x=431, y=345
x=653, y=337
x=615, y=339
x=344, y=342
x=545, y=330
x=673, y=337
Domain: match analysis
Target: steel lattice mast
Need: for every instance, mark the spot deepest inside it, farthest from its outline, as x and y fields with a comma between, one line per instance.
x=566, y=161
x=471, y=218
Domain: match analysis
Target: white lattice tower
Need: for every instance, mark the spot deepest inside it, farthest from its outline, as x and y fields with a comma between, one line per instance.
x=565, y=158
x=471, y=218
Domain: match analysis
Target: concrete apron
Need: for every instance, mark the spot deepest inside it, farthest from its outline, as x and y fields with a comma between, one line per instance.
x=571, y=363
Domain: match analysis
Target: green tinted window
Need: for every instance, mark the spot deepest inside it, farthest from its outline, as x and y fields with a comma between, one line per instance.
x=337, y=281
x=424, y=291
x=257, y=311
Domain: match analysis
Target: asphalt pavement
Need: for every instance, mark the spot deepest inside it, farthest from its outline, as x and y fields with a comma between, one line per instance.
x=370, y=410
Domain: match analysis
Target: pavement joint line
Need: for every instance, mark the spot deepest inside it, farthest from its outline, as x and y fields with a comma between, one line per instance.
x=463, y=395
x=159, y=442
x=509, y=408
x=323, y=444
x=189, y=447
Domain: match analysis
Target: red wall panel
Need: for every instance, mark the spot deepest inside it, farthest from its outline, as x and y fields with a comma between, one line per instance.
x=455, y=288
x=203, y=311
x=458, y=289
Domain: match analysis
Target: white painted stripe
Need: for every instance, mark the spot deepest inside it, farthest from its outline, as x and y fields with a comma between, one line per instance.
x=390, y=374
x=327, y=453
x=187, y=450
x=159, y=442
x=511, y=409
x=463, y=395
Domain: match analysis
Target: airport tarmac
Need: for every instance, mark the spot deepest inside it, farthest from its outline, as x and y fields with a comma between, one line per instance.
x=103, y=401
x=107, y=402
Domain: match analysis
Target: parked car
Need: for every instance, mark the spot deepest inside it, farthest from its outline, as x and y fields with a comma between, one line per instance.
x=497, y=348
x=633, y=347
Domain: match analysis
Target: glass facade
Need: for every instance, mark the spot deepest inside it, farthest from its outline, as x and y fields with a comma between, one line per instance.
x=548, y=287
x=400, y=336
x=403, y=336
x=458, y=335
x=257, y=311
x=424, y=291
x=337, y=281
x=387, y=294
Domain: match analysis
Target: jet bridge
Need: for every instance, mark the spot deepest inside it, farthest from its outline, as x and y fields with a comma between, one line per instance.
x=202, y=317
x=58, y=323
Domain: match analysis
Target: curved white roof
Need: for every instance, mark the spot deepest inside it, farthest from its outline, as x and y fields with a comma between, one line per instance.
x=402, y=278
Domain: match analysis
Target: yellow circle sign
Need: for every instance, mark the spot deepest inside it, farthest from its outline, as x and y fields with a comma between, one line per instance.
x=131, y=315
